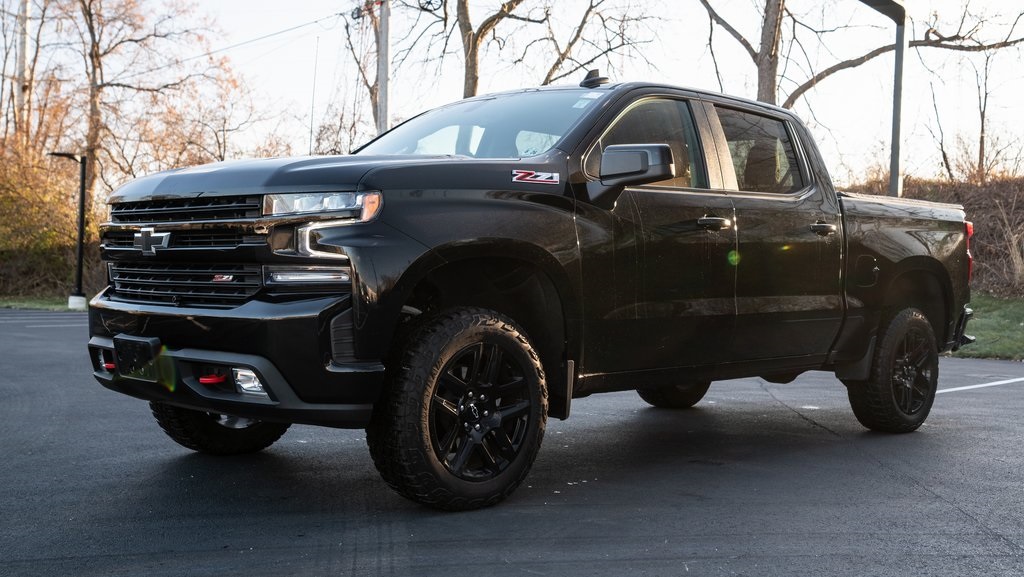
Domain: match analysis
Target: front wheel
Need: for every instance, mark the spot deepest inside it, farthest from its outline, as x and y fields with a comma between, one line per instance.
x=676, y=396
x=214, y=433
x=899, y=395
x=464, y=414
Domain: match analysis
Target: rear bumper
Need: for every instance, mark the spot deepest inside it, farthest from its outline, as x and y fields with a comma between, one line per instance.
x=288, y=345
x=960, y=337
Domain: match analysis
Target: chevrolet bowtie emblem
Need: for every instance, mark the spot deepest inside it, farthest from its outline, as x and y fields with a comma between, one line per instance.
x=147, y=240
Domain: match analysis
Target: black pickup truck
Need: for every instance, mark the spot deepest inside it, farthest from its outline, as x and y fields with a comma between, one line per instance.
x=466, y=275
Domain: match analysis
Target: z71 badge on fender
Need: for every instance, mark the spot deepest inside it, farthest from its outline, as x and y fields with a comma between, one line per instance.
x=534, y=177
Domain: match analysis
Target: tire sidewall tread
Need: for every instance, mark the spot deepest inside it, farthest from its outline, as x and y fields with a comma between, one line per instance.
x=873, y=401
x=399, y=432
x=197, y=431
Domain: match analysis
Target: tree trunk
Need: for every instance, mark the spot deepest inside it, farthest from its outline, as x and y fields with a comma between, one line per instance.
x=768, y=53
x=983, y=93
x=23, y=90
x=93, y=135
x=470, y=50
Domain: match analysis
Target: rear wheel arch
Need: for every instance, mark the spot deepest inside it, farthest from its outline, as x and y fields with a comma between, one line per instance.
x=924, y=285
x=920, y=283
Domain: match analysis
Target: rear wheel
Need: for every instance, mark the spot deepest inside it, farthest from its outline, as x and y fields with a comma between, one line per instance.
x=464, y=413
x=899, y=395
x=215, y=433
x=675, y=396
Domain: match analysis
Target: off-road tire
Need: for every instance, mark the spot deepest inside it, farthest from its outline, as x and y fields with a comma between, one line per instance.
x=215, y=434
x=675, y=396
x=904, y=375
x=466, y=367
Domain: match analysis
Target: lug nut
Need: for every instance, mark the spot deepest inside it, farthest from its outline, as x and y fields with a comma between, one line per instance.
x=486, y=414
x=477, y=427
x=483, y=397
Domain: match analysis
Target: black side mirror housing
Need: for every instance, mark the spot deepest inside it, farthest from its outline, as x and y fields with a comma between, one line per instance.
x=625, y=165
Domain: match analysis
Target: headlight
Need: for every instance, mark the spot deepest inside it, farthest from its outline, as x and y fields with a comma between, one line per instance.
x=299, y=275
x=367, y=203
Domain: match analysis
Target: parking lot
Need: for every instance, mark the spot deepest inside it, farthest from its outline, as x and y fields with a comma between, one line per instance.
x=758, y=479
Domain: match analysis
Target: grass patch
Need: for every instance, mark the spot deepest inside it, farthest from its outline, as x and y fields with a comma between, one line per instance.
x=39, y=303
x=999, y=325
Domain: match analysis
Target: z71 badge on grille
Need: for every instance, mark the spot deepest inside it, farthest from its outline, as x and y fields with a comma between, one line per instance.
x=534, y=177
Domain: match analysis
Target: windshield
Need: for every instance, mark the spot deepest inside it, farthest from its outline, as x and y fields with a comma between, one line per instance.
x=501, y=126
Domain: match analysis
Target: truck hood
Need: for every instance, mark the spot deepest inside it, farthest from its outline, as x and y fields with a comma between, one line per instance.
x=261, y=176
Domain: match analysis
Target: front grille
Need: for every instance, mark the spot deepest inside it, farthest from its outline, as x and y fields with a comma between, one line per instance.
x=187, y=209
x=185, y=284
x=187, y=239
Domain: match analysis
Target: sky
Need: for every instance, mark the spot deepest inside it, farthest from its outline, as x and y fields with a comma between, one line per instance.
x=301, y=72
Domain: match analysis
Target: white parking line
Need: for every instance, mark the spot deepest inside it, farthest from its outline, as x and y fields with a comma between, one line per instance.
x=981, y=386
x=6, y=321
x=10, y=320
x=53, y=326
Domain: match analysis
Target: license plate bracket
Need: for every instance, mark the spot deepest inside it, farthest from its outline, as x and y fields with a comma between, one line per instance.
x=136, y=357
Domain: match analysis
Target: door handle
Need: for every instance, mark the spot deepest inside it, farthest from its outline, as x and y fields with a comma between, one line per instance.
x=714, y=223
x=823, y=228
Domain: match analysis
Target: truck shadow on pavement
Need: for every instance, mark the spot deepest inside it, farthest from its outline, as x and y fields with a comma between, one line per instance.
x=634, y=456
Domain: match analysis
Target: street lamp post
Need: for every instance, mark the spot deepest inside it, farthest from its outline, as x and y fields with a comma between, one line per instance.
x=77, y=299
x=895, y=10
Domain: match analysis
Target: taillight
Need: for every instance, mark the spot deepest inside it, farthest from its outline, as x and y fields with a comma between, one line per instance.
x=969, y=229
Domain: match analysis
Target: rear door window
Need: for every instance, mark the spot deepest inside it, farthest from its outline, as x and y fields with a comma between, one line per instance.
x=762, y=152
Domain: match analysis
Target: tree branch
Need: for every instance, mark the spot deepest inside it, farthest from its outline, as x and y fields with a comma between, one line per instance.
x=929, y=42
x=564, y=53
x=732, y=31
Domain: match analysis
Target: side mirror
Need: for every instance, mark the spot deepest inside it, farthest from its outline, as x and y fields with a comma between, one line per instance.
x=625, y=165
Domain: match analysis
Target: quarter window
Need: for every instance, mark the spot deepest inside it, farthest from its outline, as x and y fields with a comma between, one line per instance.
x=762, y=152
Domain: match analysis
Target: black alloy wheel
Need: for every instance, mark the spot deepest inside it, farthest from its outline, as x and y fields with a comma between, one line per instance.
x=898, y=396
x=480, y=412
x=912, y=372
x=463, y=415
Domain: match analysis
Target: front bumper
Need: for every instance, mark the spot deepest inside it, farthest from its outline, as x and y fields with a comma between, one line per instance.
x=287, y=344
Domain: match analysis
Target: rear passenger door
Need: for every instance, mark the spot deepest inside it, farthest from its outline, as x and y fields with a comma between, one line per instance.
x=788, y=281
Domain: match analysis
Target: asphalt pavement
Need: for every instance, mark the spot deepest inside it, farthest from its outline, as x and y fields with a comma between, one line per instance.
x=759, y=479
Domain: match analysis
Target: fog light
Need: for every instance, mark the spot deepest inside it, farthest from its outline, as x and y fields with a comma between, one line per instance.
x=247, y=382
x=101, y=360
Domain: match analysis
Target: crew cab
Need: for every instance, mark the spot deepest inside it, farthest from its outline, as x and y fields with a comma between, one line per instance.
x=466, y=275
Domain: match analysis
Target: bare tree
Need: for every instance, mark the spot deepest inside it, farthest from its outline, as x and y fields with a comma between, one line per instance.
x=364, y=52
x=968, y=37
x=438, y=28
x=26, y=108
x=125, y=50
x=473, y=38
x=344, y=130
x=603, y=29
x=939, y=136
x=991, y=150
x=196, y=124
